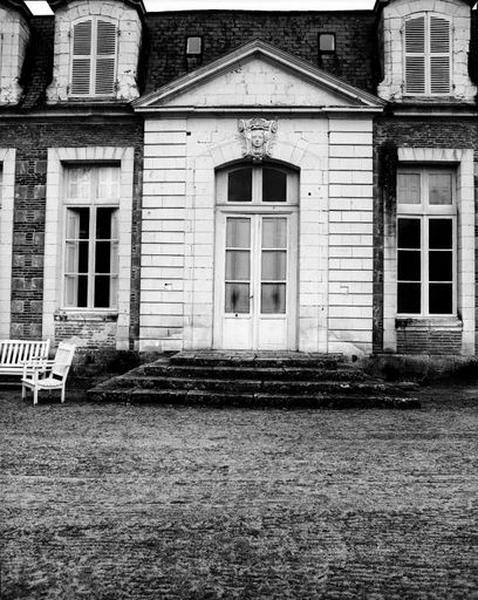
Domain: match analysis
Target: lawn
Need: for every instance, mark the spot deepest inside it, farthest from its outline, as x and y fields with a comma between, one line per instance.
x=149, y=502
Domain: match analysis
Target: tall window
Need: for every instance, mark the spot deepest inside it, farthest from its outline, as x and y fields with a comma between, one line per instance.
x=94, y=51
x=427, y=55
x=426, y=242
x=91, y=237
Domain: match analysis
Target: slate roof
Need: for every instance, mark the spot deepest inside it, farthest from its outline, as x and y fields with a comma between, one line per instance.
x=163, y=57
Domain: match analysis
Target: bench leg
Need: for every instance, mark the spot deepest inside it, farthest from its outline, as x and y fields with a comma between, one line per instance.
x=35, y=396
x=63, y=393
x=24, y=392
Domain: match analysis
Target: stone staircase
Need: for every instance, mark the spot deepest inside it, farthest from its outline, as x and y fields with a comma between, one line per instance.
x=255, y=380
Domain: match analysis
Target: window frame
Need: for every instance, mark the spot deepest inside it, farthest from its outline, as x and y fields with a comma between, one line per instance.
x=93, y=56
x=92, y=204
x=425, y=212
x=427, y=54
x=257, y=202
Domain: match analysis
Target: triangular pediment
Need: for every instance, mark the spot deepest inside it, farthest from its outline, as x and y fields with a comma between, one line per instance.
x=258, y=75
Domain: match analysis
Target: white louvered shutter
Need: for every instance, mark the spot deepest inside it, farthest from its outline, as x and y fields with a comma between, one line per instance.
x=81, y=60
x=415, y=77
x=440, y=62
x=105, y=57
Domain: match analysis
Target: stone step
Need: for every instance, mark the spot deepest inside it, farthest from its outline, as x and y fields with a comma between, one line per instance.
x=343, y=373
x=289, y=387
x=201, y=398
x=263, y=359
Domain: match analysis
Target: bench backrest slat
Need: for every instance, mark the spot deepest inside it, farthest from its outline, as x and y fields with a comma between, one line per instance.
x=17, y=352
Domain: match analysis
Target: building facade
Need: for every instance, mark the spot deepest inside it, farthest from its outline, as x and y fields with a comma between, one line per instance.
x=240, y=180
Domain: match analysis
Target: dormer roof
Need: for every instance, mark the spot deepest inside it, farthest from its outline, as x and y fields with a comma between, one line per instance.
x=137, y=4
x=380, y=4
x=18, y=6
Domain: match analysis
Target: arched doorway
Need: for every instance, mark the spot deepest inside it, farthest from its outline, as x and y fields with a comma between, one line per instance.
x=256, y=257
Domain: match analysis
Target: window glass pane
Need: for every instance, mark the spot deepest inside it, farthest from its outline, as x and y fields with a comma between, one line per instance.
x=237, y=265
x=102, y=291
x=440, y=188
x=239, y=185
x=273, y=298
x=83, y=256
x=71, y=257
x=408, y=188
x=327, y=42
x=441, y=233
x=108, y=187
x=78, y=182
x=409, y=265
x=237, y=298
x=84, y=225
x=274, y=185
x=441, y=298
x=238, y=233
x=274, y=265
x=193, y=45
x=71, y=290
x=82, y=297
x=103, y=223
x=409, y=298
x=441, y=266
x=274, y=232
x=409, y=233
x=103, y=257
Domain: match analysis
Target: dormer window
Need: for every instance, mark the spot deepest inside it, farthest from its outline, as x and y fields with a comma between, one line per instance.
x=94, y=51
x=425, y=46
x=194, y=46
x=14, y=36
x=427, y=55
x=327, y=43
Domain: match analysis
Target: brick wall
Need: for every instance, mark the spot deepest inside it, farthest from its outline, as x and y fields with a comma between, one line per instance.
x=31, y=139
x=429, y=341
x=420, y=133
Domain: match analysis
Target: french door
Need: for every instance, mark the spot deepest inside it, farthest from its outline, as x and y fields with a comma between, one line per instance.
x=256, y=280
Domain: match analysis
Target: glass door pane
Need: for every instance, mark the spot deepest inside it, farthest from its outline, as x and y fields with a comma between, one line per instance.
x=273, y=265
x=238, y=265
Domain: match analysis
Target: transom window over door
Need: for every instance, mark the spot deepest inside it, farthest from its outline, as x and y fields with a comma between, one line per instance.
x=256, y=257
x=426, y=242
x=91, y=237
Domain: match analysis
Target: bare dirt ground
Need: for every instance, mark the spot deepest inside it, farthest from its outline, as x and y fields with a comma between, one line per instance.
x=117, y=502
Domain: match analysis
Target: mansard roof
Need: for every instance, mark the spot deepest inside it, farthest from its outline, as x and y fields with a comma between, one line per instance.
x=258, y=75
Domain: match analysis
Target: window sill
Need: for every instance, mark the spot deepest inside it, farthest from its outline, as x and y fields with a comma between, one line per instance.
x=428, y=323
x=86, y=315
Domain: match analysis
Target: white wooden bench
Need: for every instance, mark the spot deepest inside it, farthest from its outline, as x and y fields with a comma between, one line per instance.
x=14, y=354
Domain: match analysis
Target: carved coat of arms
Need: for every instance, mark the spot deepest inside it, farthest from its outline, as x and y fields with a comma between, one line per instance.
x=257, y=136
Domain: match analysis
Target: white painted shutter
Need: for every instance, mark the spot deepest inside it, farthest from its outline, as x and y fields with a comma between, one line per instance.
x=105, y=57
x=81, y=60
x=439, y=55
x=415, y=55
